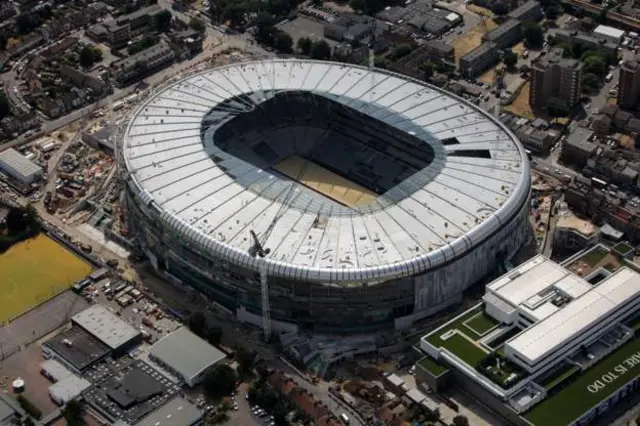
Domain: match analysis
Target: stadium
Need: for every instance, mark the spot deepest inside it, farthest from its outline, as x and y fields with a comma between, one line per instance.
x=373, y=199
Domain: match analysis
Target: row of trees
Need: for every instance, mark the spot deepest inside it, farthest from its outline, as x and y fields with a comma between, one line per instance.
x=90, y=55
x=318, y=49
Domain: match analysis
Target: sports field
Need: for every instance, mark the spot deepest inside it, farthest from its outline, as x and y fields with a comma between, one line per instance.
x=325, y=181
x=34, y=271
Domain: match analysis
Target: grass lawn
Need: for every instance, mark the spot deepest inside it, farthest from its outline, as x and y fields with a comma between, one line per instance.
x=557, y=377
x=432, y=366
x=574, y=400
x=520, y=105
x=457, y=344
x=34, y=271
x=594, y=256
x=481, y=324
x=465, y=43
x=623, y=248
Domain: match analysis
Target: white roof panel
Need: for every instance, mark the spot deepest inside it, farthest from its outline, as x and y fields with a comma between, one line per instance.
x=578, y=316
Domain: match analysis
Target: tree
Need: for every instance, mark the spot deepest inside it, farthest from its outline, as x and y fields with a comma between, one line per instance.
x=321, y=50
x=283, y=42
x=590, y=82
x=510, y=59
x=162, y=21
x=5, y=107
x=198, y=25
x=89, y=55
x=245, y=359
x=524, y=68
x=460, y=420
x=552, y=12
x=305, y=45
x=73, y=413
x=214, y=335
x=587, y=24
x=27, y=422
x=427, y=70
x=594, y=64
x=220, y=382
x=198, y=323
x=433, y=416
x=400, y=51
x=533, y=35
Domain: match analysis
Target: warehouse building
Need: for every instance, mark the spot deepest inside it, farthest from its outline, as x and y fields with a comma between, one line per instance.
x=107, y=327
x=178, y=411
x=190, y=366
x=18, y=167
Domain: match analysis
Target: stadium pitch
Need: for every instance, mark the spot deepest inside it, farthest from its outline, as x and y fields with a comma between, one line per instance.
x=34, y=271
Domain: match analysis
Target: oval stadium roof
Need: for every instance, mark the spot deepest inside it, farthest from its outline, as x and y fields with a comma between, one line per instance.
x=477, y=180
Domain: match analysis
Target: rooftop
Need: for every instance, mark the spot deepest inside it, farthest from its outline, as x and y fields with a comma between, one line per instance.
x=68, y=388
x=188, y=363
x=131, y=393
x=78, y=347
x=579, y=315
x=571, y=221
x=527, y=286
x=106, y=326
x=579, y=138
x=19, y=162
x=178, y=411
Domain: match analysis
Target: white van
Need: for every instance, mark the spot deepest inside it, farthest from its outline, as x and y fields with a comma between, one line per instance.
x=609, y=77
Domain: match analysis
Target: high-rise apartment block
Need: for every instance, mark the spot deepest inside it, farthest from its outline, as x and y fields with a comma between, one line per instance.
x=629, y=84
x=555, y=79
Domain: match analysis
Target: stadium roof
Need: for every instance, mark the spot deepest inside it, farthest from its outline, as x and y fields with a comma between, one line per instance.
x=461, y=200
x=188, y=363
x=105, y=326
x=578, y=316
x=178, y=411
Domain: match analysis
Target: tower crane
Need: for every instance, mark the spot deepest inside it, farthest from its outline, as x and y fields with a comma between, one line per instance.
x=259, y=250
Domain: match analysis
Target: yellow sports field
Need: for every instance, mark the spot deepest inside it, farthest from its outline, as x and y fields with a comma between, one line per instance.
x=34, y=271
x=325, y=181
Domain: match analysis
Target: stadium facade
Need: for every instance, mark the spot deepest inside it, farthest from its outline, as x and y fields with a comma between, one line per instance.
x=381, y=199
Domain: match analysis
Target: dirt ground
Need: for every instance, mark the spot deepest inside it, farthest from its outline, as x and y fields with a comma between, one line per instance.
x=627, y=141
x=26, y=365
x=480, y=10
x=341, y=8
x=520, y=106
x=472, y=39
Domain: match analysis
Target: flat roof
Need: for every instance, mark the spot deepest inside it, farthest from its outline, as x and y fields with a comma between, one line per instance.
x=7, y=411
x=189, y=363
x=78, y=347
x=207, y=201
x=529, y=286
x=577, y=316
x=55, y=370
x=68, y=388
x=178, y=411
x=106, y=326
x=130, y=393
x=608, y=31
